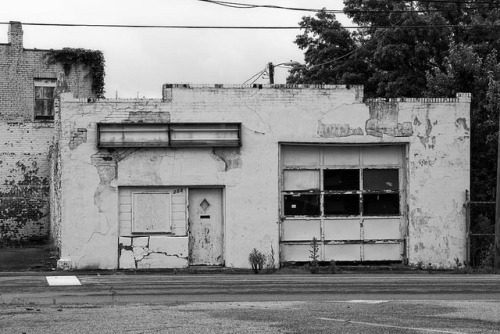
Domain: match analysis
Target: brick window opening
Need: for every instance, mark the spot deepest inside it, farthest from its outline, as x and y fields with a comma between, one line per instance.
x=44, y=99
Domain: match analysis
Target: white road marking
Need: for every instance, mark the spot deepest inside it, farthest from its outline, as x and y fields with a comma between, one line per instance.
x=62, y=280
x=391, y=326
x=361, y=301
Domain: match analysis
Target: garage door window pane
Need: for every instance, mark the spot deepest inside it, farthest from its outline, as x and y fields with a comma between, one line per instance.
x=380, y=204
x=342, y=205
x=341, y=179
x=381, y=179
x=302, y=205
x=301, y=180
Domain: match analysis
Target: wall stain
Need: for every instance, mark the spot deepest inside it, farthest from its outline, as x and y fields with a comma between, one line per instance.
x=230, y=156
x=337, y=130
x=384, y=120
x=462, y=123
x=427, y=140
x=77, y=138
x=24, y=201
x=144, y=116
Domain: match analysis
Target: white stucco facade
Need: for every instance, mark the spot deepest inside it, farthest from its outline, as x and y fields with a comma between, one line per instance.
x=100, y=187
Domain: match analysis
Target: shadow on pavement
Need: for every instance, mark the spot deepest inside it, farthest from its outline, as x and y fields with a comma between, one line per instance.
x=39, y=257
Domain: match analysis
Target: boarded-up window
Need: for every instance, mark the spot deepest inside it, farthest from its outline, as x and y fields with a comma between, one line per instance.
x=151, y=212
x=146, y=210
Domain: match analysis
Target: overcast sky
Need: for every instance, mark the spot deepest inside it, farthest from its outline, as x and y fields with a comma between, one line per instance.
x=139, y=61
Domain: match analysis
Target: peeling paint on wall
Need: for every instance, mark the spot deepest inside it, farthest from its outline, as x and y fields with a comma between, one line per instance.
x=105, y=163
x=77, y=138
x=462, y=123
x=427, y=140
x=337, y=130
x=147, y=116
x=23, y=204
x=384, y=120
x=230, y=156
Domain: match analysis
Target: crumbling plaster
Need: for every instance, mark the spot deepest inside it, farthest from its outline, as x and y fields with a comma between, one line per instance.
x=435, y=132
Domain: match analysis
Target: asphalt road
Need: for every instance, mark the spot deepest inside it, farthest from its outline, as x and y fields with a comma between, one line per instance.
x=252, y=304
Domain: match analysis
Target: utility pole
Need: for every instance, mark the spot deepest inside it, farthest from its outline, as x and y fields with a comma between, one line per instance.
x=496, y=245
x=271, y=73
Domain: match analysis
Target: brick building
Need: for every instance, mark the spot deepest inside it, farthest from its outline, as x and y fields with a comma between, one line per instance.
x=27, y=89
x=210, y=172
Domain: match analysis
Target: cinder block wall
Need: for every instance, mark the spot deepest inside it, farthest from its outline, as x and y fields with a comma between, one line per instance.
x=24, y=142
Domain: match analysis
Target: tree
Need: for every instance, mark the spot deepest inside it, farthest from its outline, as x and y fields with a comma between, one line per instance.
x=329, y=53
x=414, y=49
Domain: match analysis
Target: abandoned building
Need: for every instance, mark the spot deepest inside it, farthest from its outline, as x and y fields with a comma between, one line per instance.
x=210, y=172
x=27, y=88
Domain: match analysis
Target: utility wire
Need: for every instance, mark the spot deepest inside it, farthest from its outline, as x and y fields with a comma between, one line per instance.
x=256, y=76
x=151, y=26
x=249, y=6
x=355, y=50
x=253, y=27
x=341, y=11
x=470, y=2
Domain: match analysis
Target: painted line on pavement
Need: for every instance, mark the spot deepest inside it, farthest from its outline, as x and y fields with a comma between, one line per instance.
x=390, y=326
x=361, y=301
x=62, y=280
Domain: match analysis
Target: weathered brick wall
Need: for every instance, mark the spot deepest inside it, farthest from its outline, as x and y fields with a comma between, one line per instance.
x=24, y=142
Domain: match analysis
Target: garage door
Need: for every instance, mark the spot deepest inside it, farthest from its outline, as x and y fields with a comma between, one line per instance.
x=350, y=198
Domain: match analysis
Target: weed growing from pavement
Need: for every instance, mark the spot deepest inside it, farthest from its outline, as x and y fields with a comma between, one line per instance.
x=314, y=255
x=257, y=260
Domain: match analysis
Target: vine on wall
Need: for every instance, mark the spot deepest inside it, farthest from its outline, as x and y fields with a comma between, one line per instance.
x=93, y=60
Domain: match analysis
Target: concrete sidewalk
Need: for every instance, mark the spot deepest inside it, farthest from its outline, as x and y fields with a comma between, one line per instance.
x=42, y=260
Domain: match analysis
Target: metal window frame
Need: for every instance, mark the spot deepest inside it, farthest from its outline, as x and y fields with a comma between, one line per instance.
x=172, y=128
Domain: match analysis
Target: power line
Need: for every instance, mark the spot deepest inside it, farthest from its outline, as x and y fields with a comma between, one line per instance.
x=151, y=26
x=253, y=27
x=470, y=2
x=250, y=6
x=239, y=5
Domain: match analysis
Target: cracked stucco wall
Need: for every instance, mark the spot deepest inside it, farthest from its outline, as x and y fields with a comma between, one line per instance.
x=434, y=131
x=149, y=252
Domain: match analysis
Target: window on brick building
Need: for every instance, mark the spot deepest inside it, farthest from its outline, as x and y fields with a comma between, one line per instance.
x=44, y=98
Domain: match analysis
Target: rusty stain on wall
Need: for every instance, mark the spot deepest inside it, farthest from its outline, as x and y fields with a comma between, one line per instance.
x=337, y=130
x=230, y=156
x=384, y=120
